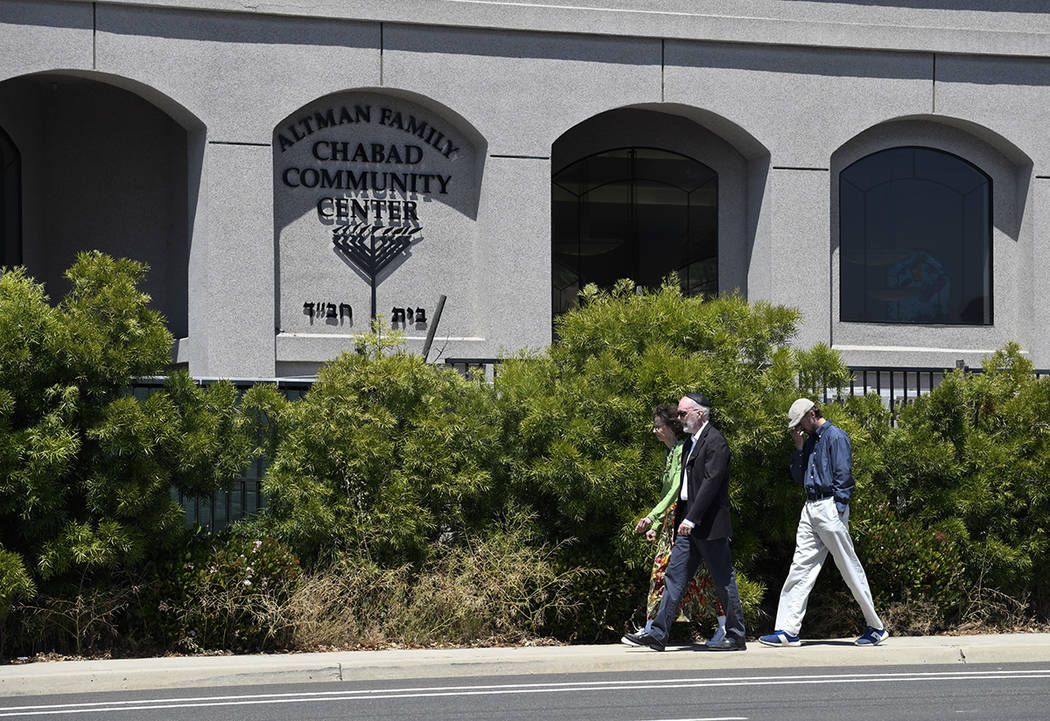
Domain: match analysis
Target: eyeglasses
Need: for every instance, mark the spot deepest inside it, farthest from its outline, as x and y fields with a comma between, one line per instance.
x=683, y=414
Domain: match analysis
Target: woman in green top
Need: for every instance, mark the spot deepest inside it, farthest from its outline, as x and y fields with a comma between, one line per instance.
x=658, y=526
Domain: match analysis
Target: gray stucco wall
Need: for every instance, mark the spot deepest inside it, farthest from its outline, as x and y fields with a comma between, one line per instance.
x=778, y=95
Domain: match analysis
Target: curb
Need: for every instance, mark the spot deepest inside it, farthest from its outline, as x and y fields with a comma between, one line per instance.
x=216, y=671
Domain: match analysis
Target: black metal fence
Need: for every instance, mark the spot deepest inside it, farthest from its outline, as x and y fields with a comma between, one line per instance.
x=244, y=498
x=470, y=365
x=896, y=387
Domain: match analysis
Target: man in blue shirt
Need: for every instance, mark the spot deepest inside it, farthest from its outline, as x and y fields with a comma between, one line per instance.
x=822, y=463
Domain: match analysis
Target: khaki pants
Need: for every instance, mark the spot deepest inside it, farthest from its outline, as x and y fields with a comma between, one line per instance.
x=821, y=529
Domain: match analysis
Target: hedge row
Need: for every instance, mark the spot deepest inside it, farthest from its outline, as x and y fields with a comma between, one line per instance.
x=447, y=509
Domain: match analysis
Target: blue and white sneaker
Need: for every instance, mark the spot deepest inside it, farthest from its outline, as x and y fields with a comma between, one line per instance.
x=780, y=638
x=872, y=637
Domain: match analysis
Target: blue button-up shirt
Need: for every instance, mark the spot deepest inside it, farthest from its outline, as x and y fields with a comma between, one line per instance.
x=823, y=464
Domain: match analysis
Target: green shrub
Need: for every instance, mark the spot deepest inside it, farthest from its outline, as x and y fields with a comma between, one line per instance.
x=434, y=508
x=908, y=560
x=223, y=593
x=393, y=462
x=384, y=458
x=582, y=455
x=974, y=456
x=15, y=585
x=86, y=474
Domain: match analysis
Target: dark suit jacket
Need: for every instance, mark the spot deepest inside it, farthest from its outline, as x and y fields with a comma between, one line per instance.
x=707, y=472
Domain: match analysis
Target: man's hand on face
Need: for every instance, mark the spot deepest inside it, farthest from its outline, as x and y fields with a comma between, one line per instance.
x=798, y=436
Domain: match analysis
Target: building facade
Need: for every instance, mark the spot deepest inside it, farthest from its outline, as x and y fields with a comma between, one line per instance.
x=289, y=169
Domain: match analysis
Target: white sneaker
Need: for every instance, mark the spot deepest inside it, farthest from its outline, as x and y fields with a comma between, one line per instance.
x=718, y=637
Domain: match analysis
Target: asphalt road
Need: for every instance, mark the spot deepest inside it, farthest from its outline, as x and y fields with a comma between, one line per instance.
x=999, y=692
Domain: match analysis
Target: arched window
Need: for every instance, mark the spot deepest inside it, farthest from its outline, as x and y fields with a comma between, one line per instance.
x=637, y=213
x=109, y=171
x=915, y=239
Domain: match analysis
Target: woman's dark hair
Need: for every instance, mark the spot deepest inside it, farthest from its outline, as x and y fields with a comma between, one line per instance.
x=668, y=414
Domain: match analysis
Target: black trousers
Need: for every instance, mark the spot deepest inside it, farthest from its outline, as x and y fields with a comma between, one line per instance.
x=686, y=555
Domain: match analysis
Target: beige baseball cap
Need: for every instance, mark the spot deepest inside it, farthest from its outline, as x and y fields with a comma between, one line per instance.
x=798, y=409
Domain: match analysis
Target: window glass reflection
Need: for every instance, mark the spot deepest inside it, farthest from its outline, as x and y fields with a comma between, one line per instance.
x=637, y=213
x=915, y=239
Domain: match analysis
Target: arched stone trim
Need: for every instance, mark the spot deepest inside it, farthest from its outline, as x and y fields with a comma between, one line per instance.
x=165, y=103
x=739, y=159
x=1010, y=171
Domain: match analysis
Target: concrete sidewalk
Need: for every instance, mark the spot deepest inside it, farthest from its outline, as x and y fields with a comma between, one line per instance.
x=199, y=671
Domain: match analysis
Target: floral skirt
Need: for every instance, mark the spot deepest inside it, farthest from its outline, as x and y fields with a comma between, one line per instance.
x=699, y=599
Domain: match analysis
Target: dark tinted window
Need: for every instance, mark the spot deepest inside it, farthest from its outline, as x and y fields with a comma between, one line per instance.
x=635, y=213
x=915, y=238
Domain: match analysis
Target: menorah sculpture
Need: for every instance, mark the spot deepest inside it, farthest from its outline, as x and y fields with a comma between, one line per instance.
x=371, y=247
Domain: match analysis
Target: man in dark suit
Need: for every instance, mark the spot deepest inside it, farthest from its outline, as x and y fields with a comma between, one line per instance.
x=704, y=529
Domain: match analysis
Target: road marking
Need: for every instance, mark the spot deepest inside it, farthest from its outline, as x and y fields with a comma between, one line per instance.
x=503, y=689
